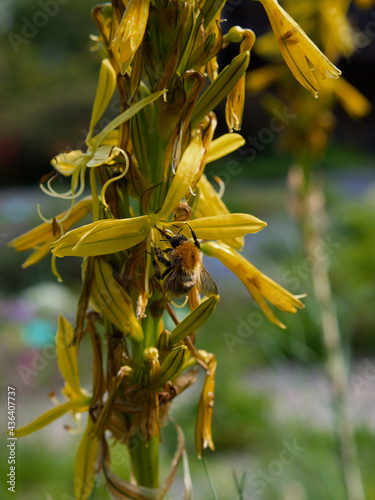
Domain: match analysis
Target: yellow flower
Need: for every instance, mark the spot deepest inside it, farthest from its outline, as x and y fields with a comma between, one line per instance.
x=114, y=235
x=260, y=286
x=305, y=60
x=78, y=399
x=41, y=237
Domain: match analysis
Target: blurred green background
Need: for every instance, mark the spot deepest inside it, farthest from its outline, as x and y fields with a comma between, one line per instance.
x=272, y=390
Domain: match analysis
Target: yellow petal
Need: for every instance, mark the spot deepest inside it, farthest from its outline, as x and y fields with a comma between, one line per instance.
x=219, y=227
x=68, y=162
x=104, y=92
x=49, y=416
x=297, y=48
x=125, y=116
x=103, y=237
x=223, y=146
x=85, y=462
x=48, y=232
x=203, y=435
x=256, y=282
x=67, y=354
x=185, y=174
x=208, y=202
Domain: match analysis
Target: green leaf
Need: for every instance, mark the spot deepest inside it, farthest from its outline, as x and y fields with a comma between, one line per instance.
x=125, y=116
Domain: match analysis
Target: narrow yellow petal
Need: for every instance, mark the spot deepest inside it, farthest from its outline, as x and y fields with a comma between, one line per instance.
x=185, y=174
x=203, y=434
x=223, y=146
x=103, y=237
x=208, y=203
x=67, y=354
x=219, y=227
x=53, y=414
x=125, y=116
x=104, y=92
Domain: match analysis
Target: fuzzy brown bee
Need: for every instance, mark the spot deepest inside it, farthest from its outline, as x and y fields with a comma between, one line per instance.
x=184, y=267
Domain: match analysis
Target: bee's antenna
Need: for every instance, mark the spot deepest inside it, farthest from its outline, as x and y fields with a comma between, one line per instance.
x=179, y=228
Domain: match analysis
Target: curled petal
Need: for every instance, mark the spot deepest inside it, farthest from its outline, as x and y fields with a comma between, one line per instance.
x=260, y=286
x=297, y=49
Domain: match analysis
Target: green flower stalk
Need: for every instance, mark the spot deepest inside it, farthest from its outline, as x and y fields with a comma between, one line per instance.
x=154, y=214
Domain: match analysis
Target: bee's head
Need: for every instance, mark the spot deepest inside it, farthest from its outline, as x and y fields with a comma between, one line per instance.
x=177, y=240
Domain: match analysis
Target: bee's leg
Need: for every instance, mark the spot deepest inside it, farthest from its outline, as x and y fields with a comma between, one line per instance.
x=161, y=258
x=156, y=268
x=196, y=242
x=169, y=238
x=166, y=272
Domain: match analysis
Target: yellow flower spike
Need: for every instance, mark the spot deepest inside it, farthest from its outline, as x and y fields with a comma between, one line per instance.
x=103, y=237
x=85, y=463
x=224, y=145
x=173, y=364
x=194, y=320
x=185, y=174
x=260, y=286
x=297, y=49
x=110, y=299
x=130, y=32
x=104, y=92
x=236, y=97
x=203, y=434
x=218, y=227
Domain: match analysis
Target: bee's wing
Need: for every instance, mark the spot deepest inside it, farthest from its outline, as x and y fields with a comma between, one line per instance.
x=206, y=285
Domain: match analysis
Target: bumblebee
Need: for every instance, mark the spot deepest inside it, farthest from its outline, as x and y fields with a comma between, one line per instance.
x=184, y=267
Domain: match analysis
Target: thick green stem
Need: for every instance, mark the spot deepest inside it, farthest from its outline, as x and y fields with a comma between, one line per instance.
x=145, y=461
